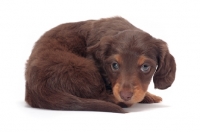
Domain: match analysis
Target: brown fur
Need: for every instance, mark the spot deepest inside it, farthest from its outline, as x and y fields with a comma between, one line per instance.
x=94, y=65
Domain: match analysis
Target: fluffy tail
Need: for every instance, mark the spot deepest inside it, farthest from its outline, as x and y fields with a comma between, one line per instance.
x=65, y=101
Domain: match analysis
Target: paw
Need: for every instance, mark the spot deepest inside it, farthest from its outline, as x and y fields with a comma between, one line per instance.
x=151, y=98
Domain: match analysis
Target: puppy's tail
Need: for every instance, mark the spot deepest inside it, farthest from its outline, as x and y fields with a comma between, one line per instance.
x=66, y=101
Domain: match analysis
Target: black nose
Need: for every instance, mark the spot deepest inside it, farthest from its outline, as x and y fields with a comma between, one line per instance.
x=126, y=95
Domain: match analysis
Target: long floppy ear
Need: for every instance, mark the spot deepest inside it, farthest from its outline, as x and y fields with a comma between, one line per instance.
x=99, y=52
x=165, y=73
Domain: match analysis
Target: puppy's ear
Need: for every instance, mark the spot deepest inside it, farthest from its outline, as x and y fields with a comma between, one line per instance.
x=166, y=70
x=100, y=50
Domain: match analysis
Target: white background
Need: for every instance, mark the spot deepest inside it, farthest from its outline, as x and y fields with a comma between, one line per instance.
x=22, y=22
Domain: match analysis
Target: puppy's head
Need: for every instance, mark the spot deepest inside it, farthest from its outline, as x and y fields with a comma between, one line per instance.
x=129, y=60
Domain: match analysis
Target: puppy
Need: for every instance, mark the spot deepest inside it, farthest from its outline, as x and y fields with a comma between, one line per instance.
x=97, y=65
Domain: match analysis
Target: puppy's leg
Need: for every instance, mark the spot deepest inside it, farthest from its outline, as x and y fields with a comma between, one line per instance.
x=151, y=98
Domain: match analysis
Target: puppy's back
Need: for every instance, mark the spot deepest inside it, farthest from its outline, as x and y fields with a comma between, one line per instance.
x=58, y=76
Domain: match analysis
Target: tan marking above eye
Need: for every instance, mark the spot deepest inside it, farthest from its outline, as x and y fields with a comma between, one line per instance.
x=118, y=58
x=141, y=60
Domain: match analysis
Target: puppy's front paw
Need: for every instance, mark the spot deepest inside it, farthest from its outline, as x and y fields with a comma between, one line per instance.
x=151, y=98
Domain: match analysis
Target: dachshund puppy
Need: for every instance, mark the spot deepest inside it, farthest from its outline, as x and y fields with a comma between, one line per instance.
x=97, y=65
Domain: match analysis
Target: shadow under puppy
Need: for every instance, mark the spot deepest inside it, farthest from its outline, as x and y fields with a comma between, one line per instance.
x=97, y=65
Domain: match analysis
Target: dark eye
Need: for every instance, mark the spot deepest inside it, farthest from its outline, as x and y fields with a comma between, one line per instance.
x=145, y=68
x=115, y=66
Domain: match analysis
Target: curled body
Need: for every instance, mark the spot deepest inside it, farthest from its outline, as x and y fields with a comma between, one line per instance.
x=97, y=65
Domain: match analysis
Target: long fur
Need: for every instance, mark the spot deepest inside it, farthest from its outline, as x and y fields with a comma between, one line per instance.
x=66, y=69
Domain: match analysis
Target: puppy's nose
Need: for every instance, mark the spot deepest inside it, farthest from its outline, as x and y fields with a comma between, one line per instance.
x=126, y=95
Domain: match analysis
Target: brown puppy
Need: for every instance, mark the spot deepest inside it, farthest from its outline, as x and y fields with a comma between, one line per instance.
x=94, y=65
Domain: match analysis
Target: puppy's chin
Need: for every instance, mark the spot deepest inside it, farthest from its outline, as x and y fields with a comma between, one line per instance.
x=125, y=104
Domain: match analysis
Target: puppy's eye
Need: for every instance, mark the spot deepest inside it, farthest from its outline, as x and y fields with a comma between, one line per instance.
x=115, y=66
x=145, y=68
